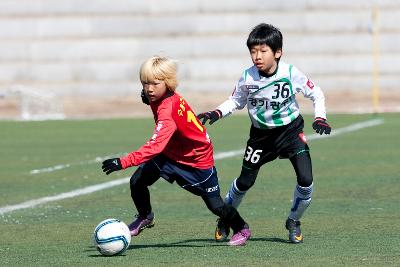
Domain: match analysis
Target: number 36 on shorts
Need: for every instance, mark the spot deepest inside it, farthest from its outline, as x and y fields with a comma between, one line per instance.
x=252, y=155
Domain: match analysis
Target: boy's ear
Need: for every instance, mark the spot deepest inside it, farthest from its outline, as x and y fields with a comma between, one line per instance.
x=278, y=53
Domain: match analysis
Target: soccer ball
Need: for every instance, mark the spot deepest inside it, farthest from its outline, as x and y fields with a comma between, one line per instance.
x=111, y=237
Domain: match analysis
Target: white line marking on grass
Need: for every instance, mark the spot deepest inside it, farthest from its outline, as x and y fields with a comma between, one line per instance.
x=217, y=156
x=220, y=155
x=63, y=166
x=50, y=169
x=347, y=129
x=70, y=194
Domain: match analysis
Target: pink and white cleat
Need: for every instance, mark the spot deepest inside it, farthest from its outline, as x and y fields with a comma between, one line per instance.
x=141, y=223
x=240, y=238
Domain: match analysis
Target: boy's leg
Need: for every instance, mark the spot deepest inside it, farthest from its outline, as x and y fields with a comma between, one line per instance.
x=204, y=183
x=143, y=177
x=302, y=194
x=240, y=186
x=234, y=197
x=231, y=216
x=260, y=149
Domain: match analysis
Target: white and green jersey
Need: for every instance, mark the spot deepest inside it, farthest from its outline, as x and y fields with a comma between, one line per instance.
x=271, y=100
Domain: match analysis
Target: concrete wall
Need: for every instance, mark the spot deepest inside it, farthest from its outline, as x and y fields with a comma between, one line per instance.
x=95, y=47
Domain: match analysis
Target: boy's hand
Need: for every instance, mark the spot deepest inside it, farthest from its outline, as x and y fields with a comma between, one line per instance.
x=320, y=125
x=145, y=100
x=111, y=165
x=213, y=116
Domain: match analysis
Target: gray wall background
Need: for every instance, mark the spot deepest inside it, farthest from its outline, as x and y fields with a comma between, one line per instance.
x=90, y=48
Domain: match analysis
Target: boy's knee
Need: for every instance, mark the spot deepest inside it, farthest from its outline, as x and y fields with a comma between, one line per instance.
x=217, y=206
x=225, y=212
x=135, y=177
x=305, y=180
x=302, y=165
x=246, y=179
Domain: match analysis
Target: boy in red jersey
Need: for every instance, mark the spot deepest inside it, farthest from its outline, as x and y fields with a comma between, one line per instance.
x=180, y=150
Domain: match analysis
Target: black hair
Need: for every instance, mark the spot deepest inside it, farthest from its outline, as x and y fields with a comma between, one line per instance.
x=265, y=34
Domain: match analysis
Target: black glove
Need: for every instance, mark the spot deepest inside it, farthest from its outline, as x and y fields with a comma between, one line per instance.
x=111, y=165
x=213, y=116
x=145, y=100
x=320, y=125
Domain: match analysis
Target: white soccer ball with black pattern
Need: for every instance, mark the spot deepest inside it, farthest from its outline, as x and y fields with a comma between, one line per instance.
x=111, y=237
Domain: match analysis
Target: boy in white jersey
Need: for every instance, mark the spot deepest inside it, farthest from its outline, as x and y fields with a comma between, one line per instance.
x=269, y=88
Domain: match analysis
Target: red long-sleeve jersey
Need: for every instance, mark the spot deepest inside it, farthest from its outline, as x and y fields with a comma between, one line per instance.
x=178, y=134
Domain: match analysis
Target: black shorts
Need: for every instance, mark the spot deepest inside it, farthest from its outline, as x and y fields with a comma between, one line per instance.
x=201, y=182
x=265, y=145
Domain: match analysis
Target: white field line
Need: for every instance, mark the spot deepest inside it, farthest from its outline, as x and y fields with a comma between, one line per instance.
x=347, y=129
x=63, y=166
x=70, y=194
x=220, y=155
x=217, y=156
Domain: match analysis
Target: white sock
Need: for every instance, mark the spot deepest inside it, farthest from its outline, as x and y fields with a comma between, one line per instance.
x=301, y=200
x=234, y=195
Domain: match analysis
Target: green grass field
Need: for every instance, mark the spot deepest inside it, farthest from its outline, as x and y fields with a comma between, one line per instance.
x=354, y=219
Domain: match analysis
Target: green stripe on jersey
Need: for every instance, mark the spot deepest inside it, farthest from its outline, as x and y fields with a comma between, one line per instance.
x=290, y=114
x=261, y=119
x=246, y=73
x=276, y=117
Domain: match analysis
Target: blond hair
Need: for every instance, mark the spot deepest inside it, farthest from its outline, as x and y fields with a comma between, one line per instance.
x=160, y=68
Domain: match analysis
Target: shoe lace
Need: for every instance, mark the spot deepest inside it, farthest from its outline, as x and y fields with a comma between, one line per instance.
x=243, y=233
x=137, y=216
x=292, y=224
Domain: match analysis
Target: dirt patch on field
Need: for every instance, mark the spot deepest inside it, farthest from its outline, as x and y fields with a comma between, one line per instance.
x=90, y=107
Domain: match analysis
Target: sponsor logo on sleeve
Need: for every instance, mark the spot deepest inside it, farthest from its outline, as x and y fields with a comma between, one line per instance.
x=158, y=128
x=233, y=92
x=252, y=87
x=310, y=84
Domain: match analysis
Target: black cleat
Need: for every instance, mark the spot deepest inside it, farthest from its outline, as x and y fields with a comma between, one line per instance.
x=221, y=231
x=295, y=235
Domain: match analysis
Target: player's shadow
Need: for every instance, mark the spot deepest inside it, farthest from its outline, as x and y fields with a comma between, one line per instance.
x=102, y=256
x=92, y=249
x=203, y=243
x=192, y=243
x=183, y=243
x=269, y=239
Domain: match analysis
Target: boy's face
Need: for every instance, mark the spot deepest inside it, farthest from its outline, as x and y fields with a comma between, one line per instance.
x=154, y=89
x=264, y=58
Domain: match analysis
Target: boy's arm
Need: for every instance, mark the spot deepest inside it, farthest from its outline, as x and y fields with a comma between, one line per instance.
x=161, y=135
x=313, y=92
x=165, y=128
x=236, y=101
x=145, y=100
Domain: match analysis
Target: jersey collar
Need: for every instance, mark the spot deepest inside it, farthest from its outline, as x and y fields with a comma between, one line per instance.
x=263, y=74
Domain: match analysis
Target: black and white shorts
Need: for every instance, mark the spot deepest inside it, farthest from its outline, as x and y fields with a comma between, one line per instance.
x=265, y=145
